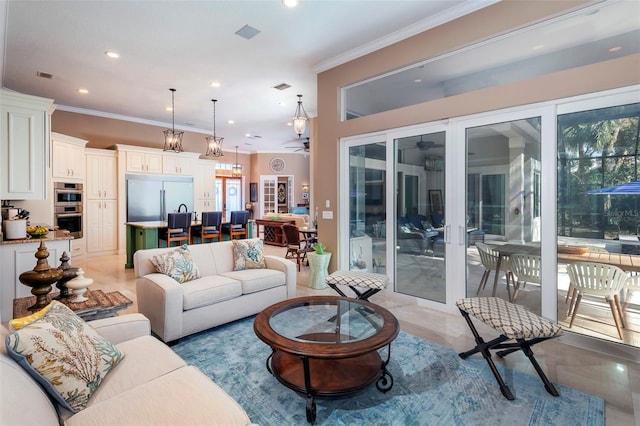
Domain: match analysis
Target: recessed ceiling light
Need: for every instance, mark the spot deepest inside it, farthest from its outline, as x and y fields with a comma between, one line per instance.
x=417, y=80
x=538, y=47
x=247, y=135
x=615, y=49
x=289, y=123
x=215, y=84
x=231, y=122
x=111, y=54
x=168, y=109
x=83, y=91
x=290, y=3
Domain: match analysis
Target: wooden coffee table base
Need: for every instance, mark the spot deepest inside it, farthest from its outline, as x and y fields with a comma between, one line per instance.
x=329, y=377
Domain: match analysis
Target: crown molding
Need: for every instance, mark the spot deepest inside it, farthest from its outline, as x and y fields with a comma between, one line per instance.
x=450, y=14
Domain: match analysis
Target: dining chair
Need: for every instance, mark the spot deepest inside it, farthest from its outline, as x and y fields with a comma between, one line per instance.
x=597, y=279
x=489, y=259
x=238, y=224
x=178, y=229
x=527, y=269
x=296, y=247
x=210, y=227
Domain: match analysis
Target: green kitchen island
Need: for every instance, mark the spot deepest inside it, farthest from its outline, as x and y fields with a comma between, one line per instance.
x=144, y=235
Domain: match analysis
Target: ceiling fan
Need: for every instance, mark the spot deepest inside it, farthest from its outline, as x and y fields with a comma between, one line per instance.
x=425, y=145
x=304, y=147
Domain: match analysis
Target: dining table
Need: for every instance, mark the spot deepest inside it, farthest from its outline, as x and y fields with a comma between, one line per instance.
x=566, y=254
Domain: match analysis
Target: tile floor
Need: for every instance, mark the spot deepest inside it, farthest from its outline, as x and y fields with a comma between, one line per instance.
x=617, y=380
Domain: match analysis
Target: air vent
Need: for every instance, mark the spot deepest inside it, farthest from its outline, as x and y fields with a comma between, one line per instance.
x=255, y=137
x=44, y=75
x=247, y=32
x=282, y=86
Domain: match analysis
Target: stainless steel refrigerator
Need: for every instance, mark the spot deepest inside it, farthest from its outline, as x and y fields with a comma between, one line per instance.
x=151, y=198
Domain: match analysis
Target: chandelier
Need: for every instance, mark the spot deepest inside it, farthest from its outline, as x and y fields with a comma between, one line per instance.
x=173, y=139
x=214, y=143
x=300, y=118
x=236, y=168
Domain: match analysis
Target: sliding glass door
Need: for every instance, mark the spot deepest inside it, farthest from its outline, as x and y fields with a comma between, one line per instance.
x=420, y=216
x=501, y=204
x=504, y=211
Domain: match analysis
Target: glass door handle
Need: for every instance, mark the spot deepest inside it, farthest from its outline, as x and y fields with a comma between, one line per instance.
x=461, y=235
x=447, y=234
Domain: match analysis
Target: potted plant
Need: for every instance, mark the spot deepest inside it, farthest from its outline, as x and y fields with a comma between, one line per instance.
x=318, y=263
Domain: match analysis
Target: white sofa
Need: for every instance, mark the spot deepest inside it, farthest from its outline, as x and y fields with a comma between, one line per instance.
x=219, y=296
x=150, y=386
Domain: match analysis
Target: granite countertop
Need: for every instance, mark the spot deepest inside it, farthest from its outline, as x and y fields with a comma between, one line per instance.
x=51, y=236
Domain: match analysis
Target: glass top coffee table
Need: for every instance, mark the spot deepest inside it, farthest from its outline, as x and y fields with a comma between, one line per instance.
x=327, y=345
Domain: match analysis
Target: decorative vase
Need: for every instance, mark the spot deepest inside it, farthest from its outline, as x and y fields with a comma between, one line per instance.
x=68, y=273
x=40, y=278
x=79, y=286
x=318, y=263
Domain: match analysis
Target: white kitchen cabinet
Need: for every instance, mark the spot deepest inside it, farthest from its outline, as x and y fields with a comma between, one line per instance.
x=102, y=177
x=176, y=165
x=205, y=186
x=102, y=230
x=19, y=258
x=101, y=206
x=144, y=162
x=24, y=142
x=67, y=157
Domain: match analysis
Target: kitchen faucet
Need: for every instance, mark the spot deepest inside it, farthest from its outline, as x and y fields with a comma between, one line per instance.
x=185, y=208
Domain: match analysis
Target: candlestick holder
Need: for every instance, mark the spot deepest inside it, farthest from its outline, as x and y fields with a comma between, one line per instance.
x=40, y=278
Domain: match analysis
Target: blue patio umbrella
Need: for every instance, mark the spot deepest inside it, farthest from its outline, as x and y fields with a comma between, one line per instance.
x=628, y=188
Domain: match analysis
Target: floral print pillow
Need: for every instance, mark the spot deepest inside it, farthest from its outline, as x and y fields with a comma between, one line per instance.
x=177, y=264
x=247, y=254
x=64, y=354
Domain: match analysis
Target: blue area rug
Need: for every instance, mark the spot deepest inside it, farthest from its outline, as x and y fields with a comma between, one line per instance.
x=432, y=386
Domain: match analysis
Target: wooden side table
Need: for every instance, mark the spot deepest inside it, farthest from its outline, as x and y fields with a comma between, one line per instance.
x=99, y=305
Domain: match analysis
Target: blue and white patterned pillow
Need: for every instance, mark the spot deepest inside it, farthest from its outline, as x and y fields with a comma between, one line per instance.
x=64, y=354
x=248, y=254
x=177, y=264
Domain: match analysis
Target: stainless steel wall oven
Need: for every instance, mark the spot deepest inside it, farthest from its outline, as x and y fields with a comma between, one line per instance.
x=68, y=209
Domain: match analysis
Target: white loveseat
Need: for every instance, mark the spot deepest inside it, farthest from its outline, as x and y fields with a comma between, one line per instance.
x=150, y=386
x=219, y=296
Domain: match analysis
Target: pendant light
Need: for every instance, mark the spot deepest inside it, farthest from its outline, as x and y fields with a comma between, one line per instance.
x=214, y=143
x=236, y=169
x=173, y=139
x=300, y=118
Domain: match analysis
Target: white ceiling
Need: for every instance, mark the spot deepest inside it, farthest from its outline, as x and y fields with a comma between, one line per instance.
x=188, y=44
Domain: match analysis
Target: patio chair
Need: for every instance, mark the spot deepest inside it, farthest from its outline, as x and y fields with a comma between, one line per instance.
x=597, y=279
x=527, y=269
x=631, y=285
x=178, y=229
x=489, y=259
